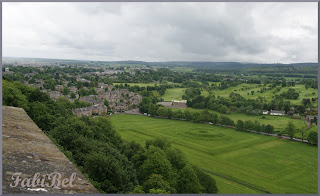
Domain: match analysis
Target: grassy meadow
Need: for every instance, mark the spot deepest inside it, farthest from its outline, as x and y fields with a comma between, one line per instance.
x=173, y=94
x=279, y=122
x=240, y=162
x=243, y=89
x=138, y=84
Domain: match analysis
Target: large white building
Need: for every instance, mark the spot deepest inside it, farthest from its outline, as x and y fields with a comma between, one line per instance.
x=277, y=113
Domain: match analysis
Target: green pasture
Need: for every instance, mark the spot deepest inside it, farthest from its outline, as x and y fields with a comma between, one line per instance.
x=241, y=162
x=279, y=122
x=243, y=89
x=182, y=69
x=173, y=94
x=138, y=84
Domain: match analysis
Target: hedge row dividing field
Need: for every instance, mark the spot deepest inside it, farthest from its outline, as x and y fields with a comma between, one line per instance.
x=241, y=162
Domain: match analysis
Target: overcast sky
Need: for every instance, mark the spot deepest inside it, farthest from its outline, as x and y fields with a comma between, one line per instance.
x=242, y=32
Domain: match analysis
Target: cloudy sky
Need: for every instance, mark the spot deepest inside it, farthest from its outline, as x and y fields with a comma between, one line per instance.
x=243, y=32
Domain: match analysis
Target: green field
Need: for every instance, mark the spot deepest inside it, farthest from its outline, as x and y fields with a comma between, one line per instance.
x=279, y=122
x=240, y=162
x=138, y=84
x=145, y=84
x=183, y=69
x=173, y=94
x=247, y=88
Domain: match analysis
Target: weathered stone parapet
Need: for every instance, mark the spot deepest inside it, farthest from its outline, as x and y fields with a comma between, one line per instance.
x=28, y=150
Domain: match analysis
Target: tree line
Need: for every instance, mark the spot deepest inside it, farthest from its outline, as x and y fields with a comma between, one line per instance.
x=148, y=105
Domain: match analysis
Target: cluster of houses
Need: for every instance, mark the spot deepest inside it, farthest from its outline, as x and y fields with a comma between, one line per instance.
x=119, y=100
x=90, y=110
x=282, y=113
x=174, y=104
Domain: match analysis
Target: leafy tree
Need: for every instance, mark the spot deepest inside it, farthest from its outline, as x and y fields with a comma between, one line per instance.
x=263, y=128
x=177, y=159
x=214, y=119
x=313, y=138
x=37, y=95
x=156, y=181
x=188, y=181
x=144, y=105
x=196, y=116
x=83, y=92
x=79, y=85
x=187, y=115
x=114, y=173
x=223, y=109
x=240, y=125
x=72, y=95
x=302, y=131
x=106, y=103
x=92, y=91
x=269, y=129
x=177, y=114
x=162, y=111
x=156, y=163
x=290, y=94
x=65, y=91
x=158, y=191
x=137, y=190
x=169, y=113
x=257, y=126
x=159, y=142
x=306, y=102
x=12, y=96
x=224, y=120
x=315, y=120
x=205, y=116
x=208, y=184
x=129, y=149
x=300, y=109
x=290, y=129
x=248, y=125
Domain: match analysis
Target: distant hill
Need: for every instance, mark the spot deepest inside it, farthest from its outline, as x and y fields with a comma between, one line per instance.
x=194, y=64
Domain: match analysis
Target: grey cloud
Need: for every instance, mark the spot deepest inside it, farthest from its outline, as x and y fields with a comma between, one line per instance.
x=264, y=32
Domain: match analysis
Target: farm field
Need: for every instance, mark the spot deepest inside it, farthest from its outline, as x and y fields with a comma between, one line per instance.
x=173, y=94
x=138, y=84
x=279, y=122
x=240, y=162
x=182, y=69
x=145, y=84
x=303, y=92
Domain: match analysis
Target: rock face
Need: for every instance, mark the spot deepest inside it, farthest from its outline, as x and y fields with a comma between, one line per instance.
x=26, y=149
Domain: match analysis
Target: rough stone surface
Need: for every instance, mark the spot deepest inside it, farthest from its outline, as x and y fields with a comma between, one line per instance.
x=28, y=150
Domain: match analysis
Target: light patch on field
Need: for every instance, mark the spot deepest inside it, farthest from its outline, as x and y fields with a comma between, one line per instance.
x=269, y=144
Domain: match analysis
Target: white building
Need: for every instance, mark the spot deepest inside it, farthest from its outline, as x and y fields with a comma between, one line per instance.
x=277, y=113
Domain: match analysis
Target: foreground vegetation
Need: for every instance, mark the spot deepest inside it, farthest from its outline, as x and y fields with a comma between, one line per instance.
x=111, y=164
x=240, y=162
